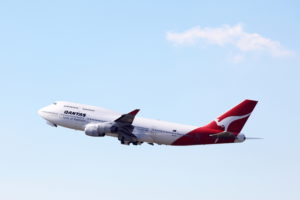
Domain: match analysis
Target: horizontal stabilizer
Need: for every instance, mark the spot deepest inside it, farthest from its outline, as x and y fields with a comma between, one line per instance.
x=223, y=135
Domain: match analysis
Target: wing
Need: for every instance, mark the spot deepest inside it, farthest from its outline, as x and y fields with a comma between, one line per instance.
x=124, y=128
x=128, y=118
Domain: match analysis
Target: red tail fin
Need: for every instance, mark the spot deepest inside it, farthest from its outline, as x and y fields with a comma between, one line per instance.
x=234, y=119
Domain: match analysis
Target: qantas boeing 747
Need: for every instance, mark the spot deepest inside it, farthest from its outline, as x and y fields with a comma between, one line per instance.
x=99, y=122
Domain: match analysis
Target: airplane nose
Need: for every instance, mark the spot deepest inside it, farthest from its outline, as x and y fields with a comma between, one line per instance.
x=40, y=112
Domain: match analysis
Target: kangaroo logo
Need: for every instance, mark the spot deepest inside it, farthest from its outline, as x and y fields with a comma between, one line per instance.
x=225, y=123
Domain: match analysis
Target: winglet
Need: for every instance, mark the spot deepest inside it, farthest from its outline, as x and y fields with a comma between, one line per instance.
x=134, y=112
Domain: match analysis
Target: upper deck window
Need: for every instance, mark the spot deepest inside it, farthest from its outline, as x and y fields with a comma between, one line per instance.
x=88, y=109
x=67, y=106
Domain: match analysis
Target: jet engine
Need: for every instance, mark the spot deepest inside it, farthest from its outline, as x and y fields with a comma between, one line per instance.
x=99, y=130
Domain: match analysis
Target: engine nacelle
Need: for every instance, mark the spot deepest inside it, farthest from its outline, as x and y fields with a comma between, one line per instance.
x=99, y=130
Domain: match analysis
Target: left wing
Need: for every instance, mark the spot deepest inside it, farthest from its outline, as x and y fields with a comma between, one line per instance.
x=128, y=118
x=124, y=128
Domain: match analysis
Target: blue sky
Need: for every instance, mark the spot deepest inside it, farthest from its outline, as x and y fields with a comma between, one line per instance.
x=118, y=55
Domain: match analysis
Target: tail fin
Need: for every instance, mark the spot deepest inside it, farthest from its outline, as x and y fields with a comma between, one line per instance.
x=234, y=119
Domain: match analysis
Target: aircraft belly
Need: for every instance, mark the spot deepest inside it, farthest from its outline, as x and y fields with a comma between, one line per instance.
x=143, y=136
x=166, y=138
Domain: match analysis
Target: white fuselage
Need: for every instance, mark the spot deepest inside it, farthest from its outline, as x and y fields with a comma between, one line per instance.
x=78, y=116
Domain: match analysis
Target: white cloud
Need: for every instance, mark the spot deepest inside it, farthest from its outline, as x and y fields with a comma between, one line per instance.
x=230, y=36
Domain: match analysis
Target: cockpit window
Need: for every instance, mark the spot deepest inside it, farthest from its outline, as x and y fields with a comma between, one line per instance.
x=54, y=103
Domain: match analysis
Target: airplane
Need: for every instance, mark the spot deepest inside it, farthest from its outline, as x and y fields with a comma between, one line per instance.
x=129, y=129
